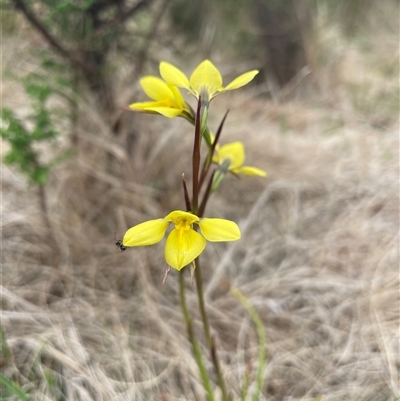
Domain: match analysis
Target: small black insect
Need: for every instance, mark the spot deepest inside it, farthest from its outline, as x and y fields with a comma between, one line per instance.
x=119, y=244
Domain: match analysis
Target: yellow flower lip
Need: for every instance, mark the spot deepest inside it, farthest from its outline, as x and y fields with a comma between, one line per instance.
x=205, y=81
x=166, y=99
x=183, y=244
x=234, y=153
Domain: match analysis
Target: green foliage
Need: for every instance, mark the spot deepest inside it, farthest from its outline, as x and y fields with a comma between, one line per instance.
x=82, y=34
x=65, y=16
x=84, y=27
x=24, y=136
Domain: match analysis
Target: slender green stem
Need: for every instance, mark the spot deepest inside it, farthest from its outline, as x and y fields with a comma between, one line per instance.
x=195, y=346
x=209, y=338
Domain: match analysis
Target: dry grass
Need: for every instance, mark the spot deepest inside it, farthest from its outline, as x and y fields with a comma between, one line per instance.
x=318, y=260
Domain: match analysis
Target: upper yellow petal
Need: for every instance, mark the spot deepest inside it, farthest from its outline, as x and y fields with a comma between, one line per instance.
x=147, y=233
x=155, y=88
x=249, y=170
x=206, y=77
x=173, y=75
x=234, y=152
x=178, y=216
x=241, y=80
x=219, y=230
x=183, y=247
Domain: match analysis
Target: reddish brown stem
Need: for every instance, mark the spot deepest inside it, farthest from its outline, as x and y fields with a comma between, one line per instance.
x=196, y=160
x=207, y=162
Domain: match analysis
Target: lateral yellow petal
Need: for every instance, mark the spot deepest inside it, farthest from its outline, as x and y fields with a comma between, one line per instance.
x=206, y=75
x=142, y=106
x=233, y=151
x=156, y=108
x=155, y=88
x=219, y=230
x=183, y=247
x=147, y=233
x=173, y=75
x=241, y=80
x=149, y=107
x=248, y=170
x=166, y=111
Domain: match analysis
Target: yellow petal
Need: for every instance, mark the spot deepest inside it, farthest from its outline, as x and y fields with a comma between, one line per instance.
x=178, y=216
x=234, y=152
x=212, y=137
x=165, y=111
x=180, y=102
x=241, y=80
x=248, y=170
x=173, y=75
x=156, y=108
x=183, y=247
x=155, y=88
x=219, y=230
x=207, y=76
x=147, y=233
x=142, y=106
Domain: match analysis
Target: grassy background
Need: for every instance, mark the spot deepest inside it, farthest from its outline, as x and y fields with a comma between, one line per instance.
x=318, y=257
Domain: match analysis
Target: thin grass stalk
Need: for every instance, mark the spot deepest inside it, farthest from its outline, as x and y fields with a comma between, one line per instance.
x=5, y=350
x=196, y=349
x=245, y=386
x=262, y=339
x=13, y=388
x=43, y=208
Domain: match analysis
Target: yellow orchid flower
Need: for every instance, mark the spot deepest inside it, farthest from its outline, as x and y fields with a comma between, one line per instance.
x=183, y=244
x=168, y=101
x=205, y=81
x=232, y=157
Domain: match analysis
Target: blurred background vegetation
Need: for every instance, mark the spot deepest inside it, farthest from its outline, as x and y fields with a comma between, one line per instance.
x=95, y=51
x=90, y=169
